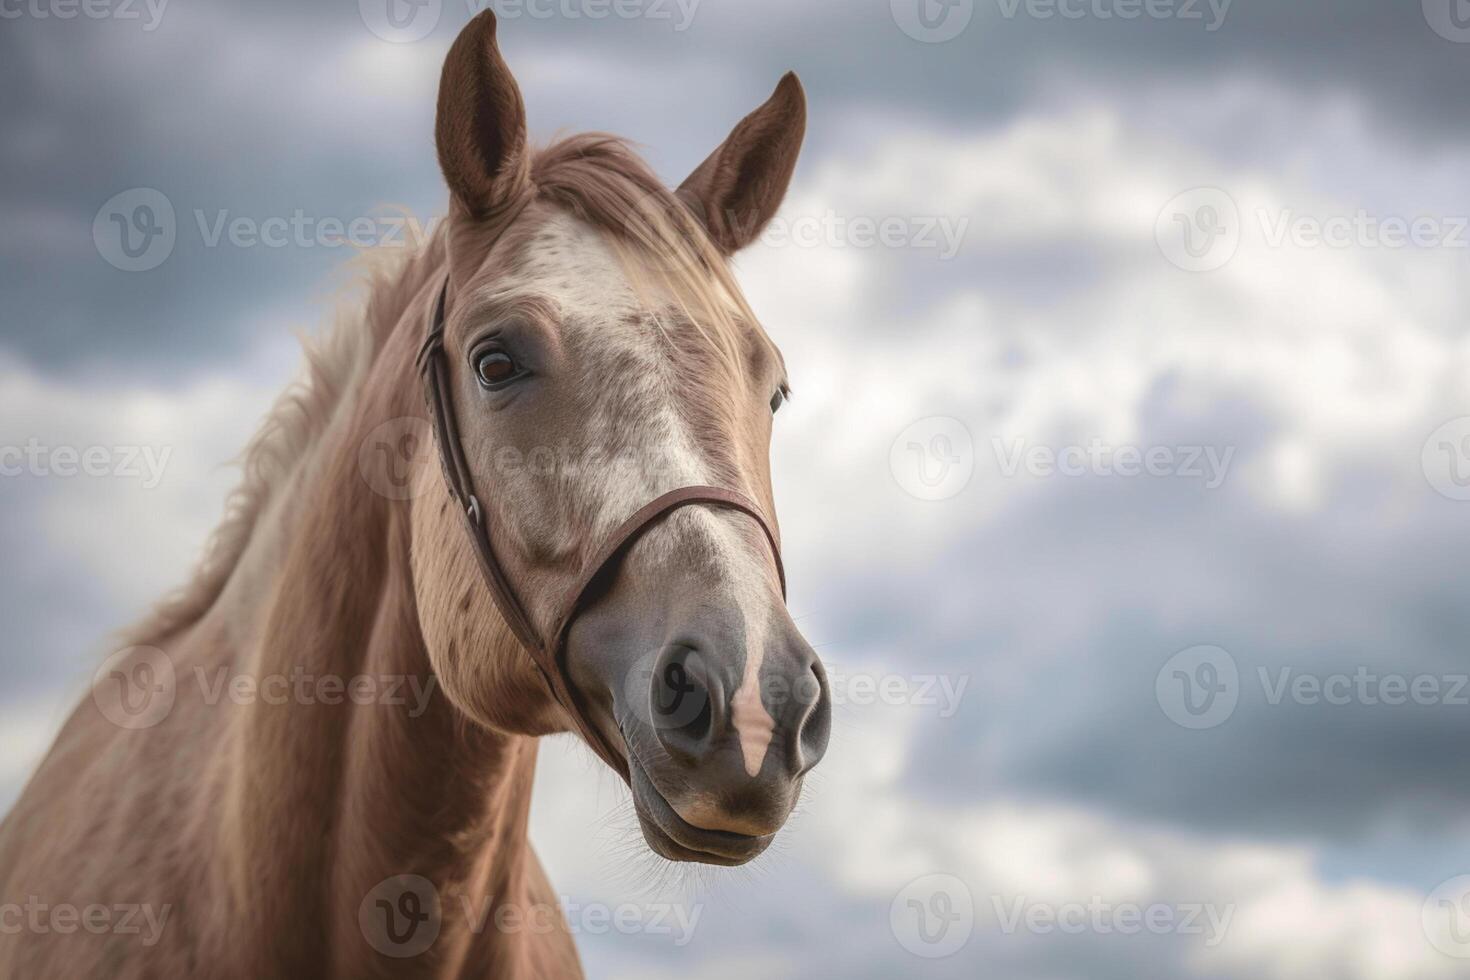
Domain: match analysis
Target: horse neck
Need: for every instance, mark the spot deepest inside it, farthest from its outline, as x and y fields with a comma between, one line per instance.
x=324, y=802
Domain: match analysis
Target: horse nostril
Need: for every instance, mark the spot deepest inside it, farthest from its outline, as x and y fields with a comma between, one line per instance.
x=814, y=724
x=686, y=703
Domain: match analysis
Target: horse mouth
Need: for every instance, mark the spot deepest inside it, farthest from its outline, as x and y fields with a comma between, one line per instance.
x=672, y=837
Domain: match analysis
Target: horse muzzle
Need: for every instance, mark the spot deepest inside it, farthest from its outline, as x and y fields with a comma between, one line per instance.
x=721, y=721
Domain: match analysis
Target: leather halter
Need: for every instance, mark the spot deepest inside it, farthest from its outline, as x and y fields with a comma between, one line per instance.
x=545, y=651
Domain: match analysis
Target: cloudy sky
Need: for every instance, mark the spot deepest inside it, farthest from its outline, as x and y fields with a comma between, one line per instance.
x=1129, y=458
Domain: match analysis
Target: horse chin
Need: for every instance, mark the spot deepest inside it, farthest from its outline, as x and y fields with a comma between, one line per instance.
x=672, y=837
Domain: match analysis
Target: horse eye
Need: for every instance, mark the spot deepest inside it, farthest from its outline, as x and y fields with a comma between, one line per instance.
x=777, y=400
x=495, y=368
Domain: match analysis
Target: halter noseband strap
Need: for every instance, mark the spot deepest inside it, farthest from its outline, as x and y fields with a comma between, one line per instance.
x=546, y=652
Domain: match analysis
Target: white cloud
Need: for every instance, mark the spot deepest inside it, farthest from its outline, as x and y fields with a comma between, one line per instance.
x=1349, y=354
x=139, y=518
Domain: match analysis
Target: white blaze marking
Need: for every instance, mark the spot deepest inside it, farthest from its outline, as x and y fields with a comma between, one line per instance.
x=752, y=721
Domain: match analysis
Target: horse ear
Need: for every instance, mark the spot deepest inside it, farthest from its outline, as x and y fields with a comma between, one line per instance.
x=480, y=131
x=738, y=189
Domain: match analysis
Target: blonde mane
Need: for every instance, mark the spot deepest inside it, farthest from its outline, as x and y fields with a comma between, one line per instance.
x=382, y=282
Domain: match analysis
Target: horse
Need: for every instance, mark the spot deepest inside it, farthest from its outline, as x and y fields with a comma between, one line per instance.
x=311, y=757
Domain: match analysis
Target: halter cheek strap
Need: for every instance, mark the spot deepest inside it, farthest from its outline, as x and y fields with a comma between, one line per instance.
x=546, y=651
